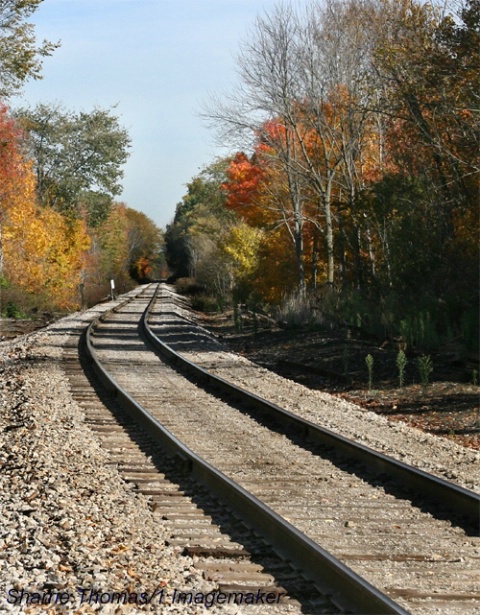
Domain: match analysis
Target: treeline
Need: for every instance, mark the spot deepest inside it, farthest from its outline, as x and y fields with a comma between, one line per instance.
x=356, y=191
x=63, y=236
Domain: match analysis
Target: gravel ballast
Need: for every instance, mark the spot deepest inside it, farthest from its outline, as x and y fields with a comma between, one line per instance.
x=72, y=529
x=68, y=519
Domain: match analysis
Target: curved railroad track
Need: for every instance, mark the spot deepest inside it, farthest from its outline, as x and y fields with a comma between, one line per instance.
x=298, y=485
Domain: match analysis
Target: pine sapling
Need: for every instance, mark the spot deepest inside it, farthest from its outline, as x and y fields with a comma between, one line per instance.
x=401, y=364
x=369, y=362
x=425, y=368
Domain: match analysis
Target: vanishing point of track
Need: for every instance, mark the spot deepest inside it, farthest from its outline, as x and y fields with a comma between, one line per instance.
x=283, y=508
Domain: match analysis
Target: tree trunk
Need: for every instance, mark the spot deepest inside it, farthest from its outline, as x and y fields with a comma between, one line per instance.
x=343, y=256
x=329, y=236
x=298, y=237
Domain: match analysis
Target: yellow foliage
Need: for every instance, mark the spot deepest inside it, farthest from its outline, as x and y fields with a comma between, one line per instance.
x=241, y=245
x=43, y=251
x=276, y=272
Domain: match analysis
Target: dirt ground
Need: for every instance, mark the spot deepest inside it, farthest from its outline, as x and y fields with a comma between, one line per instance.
x=334, y=361
x=13, y=327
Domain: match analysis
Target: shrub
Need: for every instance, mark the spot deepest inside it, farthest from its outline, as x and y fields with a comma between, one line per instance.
x=203, y=302
x=188, y=286
x=12, y=310
x=297, y=310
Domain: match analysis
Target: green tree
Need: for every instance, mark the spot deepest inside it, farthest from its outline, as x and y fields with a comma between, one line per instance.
x=200, y=219
x=96, y=206
x=78, y=157
x=20, y=56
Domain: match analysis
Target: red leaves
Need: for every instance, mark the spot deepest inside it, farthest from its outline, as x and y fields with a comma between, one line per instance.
x=244, y=179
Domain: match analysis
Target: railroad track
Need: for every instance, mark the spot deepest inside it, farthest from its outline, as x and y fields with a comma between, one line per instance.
x=226, y=552
x=359, y=514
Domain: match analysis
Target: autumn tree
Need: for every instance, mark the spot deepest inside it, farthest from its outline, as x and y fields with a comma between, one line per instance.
x=44, y=255
x=41, y=252
x=127, y=247
x=248, y=189
x=108, y=256
x=269, y=76
x=20, y=55
x=241, y=244
x=145, y=246
x=299, y=73
x=259, y=196
x=14, y=174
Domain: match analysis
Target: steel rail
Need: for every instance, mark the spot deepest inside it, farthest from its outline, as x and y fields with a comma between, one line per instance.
x=343, y=586
x=463, y=503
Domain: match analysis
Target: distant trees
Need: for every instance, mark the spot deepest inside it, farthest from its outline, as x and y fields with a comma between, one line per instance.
x=209, y=242
x=200, y=221
x=126, y=246
x=359, y=162
x=62, y=237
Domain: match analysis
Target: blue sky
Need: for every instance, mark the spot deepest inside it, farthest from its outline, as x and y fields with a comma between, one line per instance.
x=158, y=61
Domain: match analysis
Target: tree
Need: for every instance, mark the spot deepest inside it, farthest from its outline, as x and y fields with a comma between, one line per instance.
x=78, y=157
x=20, y=57
x=44, y=254
x=270, y=72
x=429, y=64
x=426, y=61
x=15, y=175
x=200, y=220
x=145, y=245
x=41, y=253
x=360, y=119
x=127, y=246
x=247, y=189
x=297, y=75
x=241, y=246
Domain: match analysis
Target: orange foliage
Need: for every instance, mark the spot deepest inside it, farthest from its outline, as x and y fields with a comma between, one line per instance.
x=13, y=173
x=143, y=268
x=244, y=188
x=42, y=251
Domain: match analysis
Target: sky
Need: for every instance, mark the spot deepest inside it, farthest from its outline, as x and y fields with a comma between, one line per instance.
x=158, y=61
